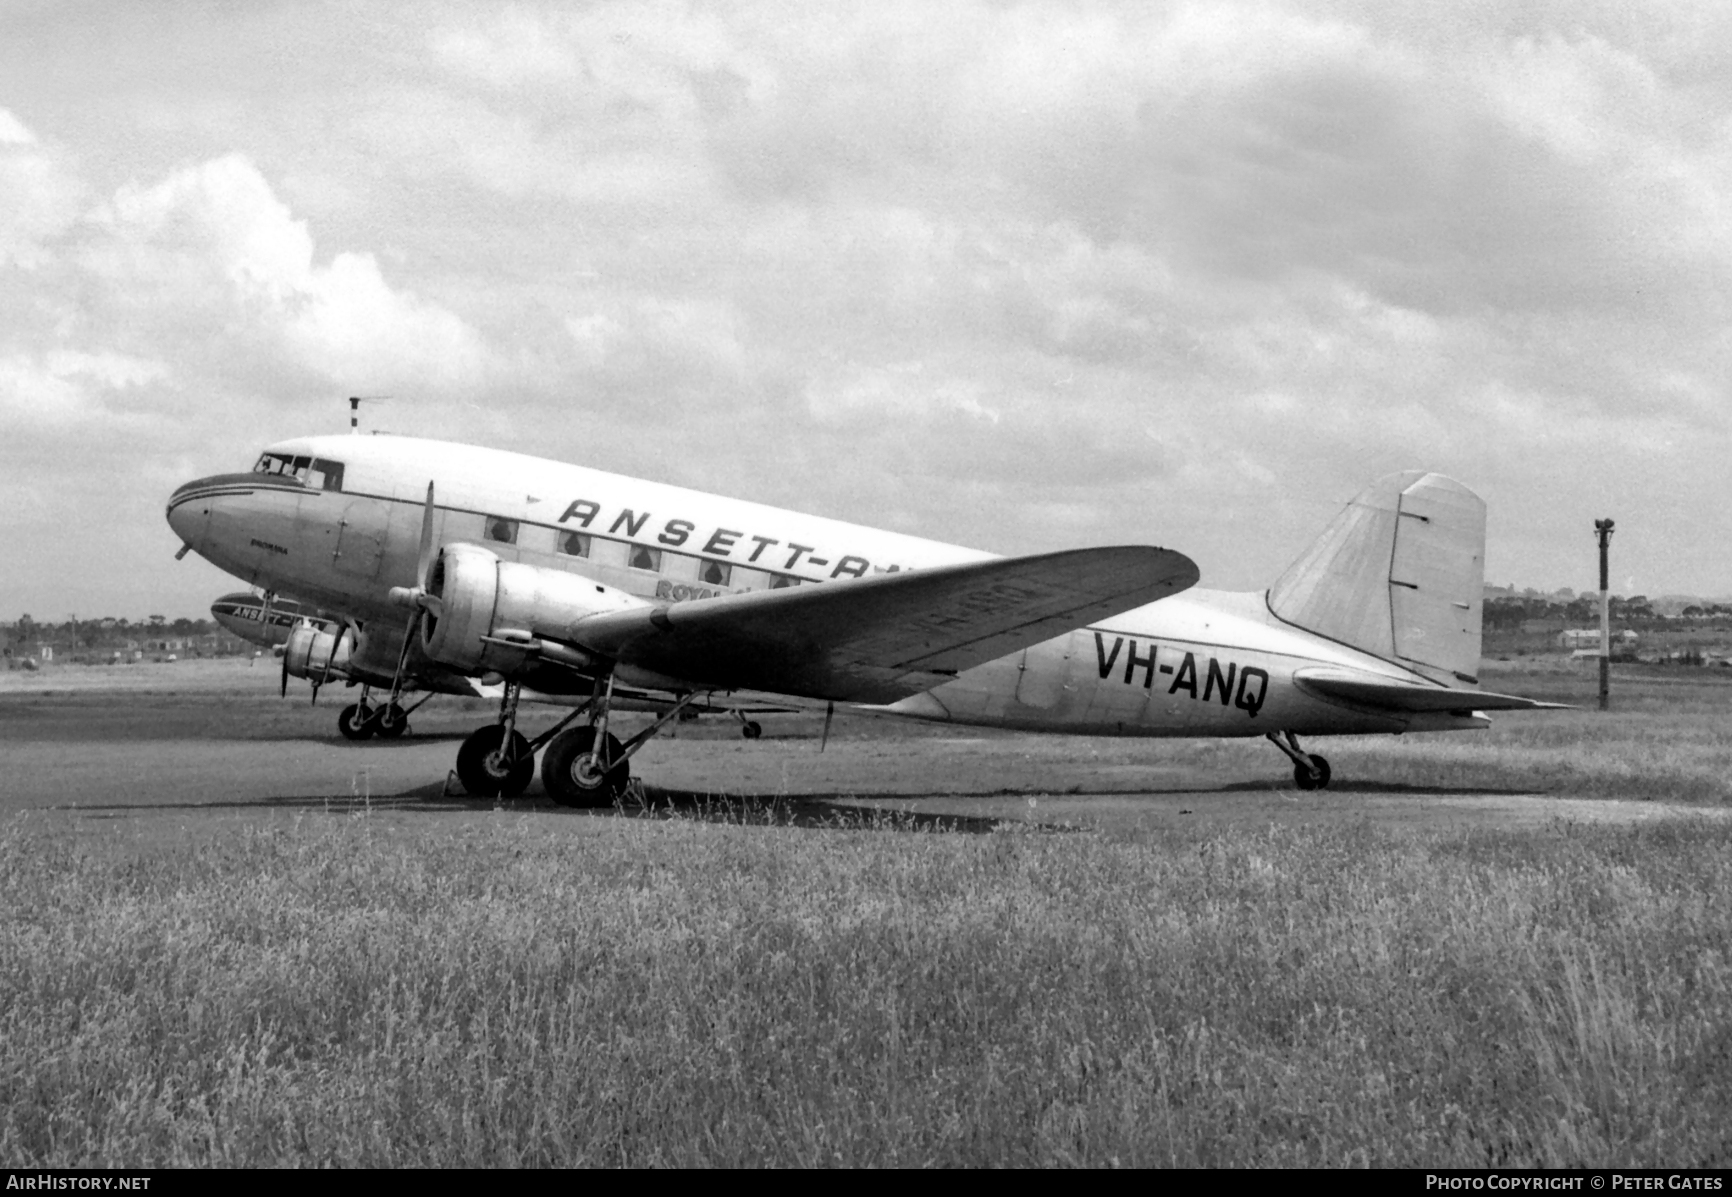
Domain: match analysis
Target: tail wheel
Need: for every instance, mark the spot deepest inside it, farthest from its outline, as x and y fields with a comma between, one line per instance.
x=576, y=774
x=391, y=722
x=488, y=767
x=1316, y=777
x=355, y=722
x=751, y=729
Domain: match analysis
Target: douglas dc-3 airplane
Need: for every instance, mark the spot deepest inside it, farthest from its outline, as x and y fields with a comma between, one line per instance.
x=523, y=573
x=319, y=648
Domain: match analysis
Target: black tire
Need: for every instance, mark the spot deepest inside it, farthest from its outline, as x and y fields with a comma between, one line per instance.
x=569, y=785
x=390, y=721
x=1314, y=778
x=355, y=722
x=751, y=729
x=484, y=777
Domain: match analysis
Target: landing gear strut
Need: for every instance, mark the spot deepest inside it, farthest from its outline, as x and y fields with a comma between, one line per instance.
x=497, y=761
x=588, y=767
x=1310, y=771
x=583, y=766
x=356, y=720
x=363, y=719
x=391, y=721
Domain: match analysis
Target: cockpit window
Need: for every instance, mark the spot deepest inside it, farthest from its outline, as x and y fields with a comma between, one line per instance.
x=325, y=475
x=316, y=472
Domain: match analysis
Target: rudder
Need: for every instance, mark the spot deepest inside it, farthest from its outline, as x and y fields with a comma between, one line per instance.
x=1400, y=574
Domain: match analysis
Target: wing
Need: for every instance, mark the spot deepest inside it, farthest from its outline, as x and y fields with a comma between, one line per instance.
x=1369, y=690
x=882, y=638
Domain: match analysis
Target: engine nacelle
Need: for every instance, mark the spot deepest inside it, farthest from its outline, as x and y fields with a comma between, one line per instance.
x=308, y=653
x=493, y=614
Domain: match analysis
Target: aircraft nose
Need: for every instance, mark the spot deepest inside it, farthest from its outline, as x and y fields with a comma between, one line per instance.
x=225, y=516
x=189, y=508
x=180, y=518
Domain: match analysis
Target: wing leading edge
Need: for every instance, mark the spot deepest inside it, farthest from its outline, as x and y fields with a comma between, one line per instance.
x=882, y=638
x=1412, y=697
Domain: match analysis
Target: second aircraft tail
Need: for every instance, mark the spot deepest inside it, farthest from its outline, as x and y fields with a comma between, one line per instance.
x=1400, y=574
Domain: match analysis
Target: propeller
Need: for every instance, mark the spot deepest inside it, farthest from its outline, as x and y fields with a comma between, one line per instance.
x=424, y=561
x=265, y=622
x=417, y=597
x=336, y=645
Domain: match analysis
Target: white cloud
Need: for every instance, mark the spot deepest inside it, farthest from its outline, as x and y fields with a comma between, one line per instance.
x=38, y=200
x=1015, y=274
x=901, y=390
x=12, y=130
x=214, y=240
x=31, y=392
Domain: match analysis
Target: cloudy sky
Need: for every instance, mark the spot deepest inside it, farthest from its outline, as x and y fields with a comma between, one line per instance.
x=1018, y=275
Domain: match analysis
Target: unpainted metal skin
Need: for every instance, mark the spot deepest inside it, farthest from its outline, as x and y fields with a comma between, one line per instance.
x=350, y=524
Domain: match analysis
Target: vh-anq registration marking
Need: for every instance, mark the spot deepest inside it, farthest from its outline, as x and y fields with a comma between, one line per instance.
x=1243, y=687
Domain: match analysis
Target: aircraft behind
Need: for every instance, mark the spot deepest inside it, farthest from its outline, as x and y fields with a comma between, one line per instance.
x=266, y=619
x=486, y=567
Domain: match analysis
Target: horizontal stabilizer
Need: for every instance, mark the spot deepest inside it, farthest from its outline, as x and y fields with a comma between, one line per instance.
x=1369, y=690
x=882, y=638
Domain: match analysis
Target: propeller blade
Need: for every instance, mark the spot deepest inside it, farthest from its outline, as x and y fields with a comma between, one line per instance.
x=325, y=675
x=283, y=690
x=424, y=562
x=403, y=655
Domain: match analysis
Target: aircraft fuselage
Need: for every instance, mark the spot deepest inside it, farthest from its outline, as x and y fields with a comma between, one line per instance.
x=342, y=528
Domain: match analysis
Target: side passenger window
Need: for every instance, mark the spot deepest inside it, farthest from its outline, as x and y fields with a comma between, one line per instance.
x=501, y=529
x=645, y=558
x=574, y=544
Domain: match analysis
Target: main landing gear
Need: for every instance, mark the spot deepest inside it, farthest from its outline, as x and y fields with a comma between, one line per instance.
x=582, y=766
x=1310, y=771
x=363, y=720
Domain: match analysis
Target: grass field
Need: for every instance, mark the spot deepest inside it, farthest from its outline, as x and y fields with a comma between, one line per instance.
x=727, y=985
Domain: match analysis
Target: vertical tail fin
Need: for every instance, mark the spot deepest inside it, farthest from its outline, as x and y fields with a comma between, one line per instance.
x=1400, y=574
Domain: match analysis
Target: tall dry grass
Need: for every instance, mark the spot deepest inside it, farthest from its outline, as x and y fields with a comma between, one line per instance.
x=533, y=991
x=1666, y=737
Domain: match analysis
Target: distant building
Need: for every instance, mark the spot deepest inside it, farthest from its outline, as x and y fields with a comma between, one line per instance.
x=1590, y=637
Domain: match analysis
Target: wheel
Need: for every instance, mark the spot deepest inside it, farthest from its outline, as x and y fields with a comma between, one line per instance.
x=751, y=729
x=1315, y=778
x=572, y=775
x=355, y=722
x=482, y=770
x=390, y=722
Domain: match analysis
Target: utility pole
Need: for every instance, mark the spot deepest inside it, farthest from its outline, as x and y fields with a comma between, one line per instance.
x=1603, y=529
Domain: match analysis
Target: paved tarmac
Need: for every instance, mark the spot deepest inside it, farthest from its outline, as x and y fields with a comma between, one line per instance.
x=136, y=744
